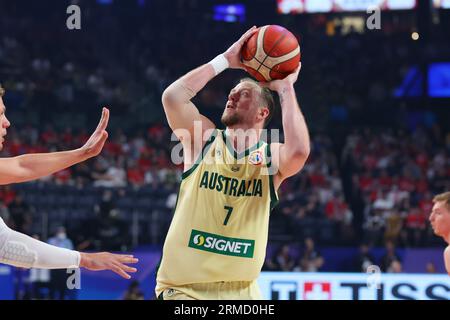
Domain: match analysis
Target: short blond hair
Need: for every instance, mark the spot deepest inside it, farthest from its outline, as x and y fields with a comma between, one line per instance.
x=2, y=91
x=267, y=99
x=443, y=197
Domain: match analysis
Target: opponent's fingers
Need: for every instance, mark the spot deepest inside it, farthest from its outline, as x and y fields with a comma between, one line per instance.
x=104, y=136
x=103, y=120
x=116, y=269
x=128, y=259
x=99, y=140
x=126, y=268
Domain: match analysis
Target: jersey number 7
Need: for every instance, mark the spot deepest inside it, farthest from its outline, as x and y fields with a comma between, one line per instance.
x=230, y=210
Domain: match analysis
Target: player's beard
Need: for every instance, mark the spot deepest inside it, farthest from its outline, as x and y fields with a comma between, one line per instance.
x=230, y=119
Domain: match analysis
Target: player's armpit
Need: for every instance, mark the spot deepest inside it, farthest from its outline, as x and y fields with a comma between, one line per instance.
x=287, y=162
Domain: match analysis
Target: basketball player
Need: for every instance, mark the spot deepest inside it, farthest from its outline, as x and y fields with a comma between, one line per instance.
x=216, y=243
x=440, y=221
x=19, y=250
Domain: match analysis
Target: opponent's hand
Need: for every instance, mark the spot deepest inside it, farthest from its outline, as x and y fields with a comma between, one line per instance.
x=95, y=144
x=233, y=54
x=279, y=85
x=108, y=261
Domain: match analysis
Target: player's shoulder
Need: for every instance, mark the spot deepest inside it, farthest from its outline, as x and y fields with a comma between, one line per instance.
x=447, y=259
x=447, y=252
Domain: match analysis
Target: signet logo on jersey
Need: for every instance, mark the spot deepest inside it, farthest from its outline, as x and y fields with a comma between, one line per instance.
x=221, y=245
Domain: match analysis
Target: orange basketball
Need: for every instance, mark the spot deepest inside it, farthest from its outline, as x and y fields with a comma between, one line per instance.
x=271, y=53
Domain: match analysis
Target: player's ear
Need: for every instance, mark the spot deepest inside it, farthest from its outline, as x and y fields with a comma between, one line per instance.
x=263, y=112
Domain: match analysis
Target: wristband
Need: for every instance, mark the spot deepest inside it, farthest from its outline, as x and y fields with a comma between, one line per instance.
x=219, y=63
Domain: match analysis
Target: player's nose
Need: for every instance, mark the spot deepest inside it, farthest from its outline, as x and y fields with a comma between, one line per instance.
x=232, y=96
x=7, y=122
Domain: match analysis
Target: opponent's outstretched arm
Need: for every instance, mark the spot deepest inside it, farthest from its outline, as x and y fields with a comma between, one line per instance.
x=291, y=155
x=33, y=166
x=20, y=250
x=181, y=113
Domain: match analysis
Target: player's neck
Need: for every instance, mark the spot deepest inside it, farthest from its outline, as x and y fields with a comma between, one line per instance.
x=242, y=138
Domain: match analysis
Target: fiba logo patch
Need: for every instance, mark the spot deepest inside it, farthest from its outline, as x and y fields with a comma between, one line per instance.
x=199, y=240
x=255, y=158
x=170, y=292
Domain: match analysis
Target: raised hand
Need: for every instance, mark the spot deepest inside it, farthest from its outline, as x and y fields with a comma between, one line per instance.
x=278, y=85
x=233, y=54
x=95, y=144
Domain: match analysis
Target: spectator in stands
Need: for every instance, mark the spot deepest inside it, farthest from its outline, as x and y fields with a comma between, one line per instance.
x=415, y=226
x=7, y=194
x=373, y=227
x=20, y=213
x=389, y=256
x=363, y=259
x=4, y=212
x=395, y=267
x=394, y=224
x=114, y=177
x=111, y=229
x=311, y=260
x=338, y=211
x=39, y=280
x=283, y=260
x=430, y=267
x=58, y=277
x=134, y=292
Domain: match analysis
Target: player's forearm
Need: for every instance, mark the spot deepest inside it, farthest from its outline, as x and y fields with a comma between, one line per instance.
x=23, y=251
x=296, y=135
x=33, y=166
x=84, y=260
x=186, y=87
x=197, y=79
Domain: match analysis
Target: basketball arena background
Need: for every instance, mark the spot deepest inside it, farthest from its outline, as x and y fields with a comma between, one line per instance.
x=375, y=92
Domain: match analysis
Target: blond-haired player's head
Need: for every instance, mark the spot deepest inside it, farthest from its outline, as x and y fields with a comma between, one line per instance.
x=4, y=122
x=440, y=215
x=249, y=105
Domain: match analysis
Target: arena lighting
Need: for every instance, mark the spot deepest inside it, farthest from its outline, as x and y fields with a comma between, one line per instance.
x=105, y=2
x=441, y=4
x=229, y=12
x=314, y=6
